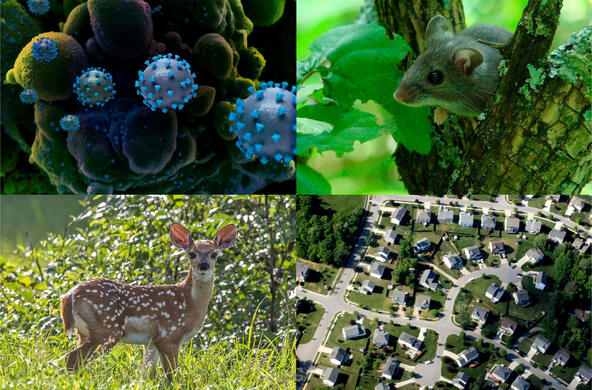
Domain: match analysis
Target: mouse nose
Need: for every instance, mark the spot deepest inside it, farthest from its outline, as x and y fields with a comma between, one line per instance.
x=400, y=95
x=203, y=266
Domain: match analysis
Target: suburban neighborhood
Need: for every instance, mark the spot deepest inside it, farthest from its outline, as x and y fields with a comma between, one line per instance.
x=451, y=293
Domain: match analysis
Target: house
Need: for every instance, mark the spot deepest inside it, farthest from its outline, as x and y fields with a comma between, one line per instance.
x=467, y=356
x=338, y=355
x=461, y=380
x=390, y=368
x=380, y=337
x=391, y=237
x=580, y=245
x=488, y=222
x=302, y=272
x=480, y=315
x=368, y=287
x=408, y=341
x=422, y=245
x=423, y=302
x=534, y=255
x=584, y=374
x=577, y=203
x=508, y=326
x=512, y=224
x=424, y=216
x=398, y=216
x=383, y=386
x=466, y=219
x=557, y=235
x=495, y=292
x=501, y=373
x=382, y=254
x=533, y=226
x=561, y=358
x=445, y=215
x=472, y=253
x=540, y=344
x=330, y=376
x=377, y=270
x=497, y=247
x=428, y=280
x=400, y=298
x=353, y=332
x=452, y=260
x=520, y=384
x=521, y=297
x=540, y=280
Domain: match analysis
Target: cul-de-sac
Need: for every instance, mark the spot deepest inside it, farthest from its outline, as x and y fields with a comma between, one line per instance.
x=426, y=292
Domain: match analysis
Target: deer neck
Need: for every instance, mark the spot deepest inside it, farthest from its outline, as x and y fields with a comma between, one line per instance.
x=198, y=290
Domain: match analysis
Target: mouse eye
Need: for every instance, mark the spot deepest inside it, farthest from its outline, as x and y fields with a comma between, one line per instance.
x=436, y=77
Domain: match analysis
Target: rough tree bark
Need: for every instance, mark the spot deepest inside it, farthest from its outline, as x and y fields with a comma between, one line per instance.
x=536, y=134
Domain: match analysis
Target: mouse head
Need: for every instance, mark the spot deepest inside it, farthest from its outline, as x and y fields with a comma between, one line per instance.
x=203, y=253
x=441, y=74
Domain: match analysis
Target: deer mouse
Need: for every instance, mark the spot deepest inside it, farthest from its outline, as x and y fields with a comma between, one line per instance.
x=456, y=73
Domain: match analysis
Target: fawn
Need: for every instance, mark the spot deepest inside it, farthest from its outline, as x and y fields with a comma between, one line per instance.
x=163, y=317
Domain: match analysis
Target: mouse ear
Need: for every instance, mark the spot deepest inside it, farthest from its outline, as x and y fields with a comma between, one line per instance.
x=437, y=24
x=467, y=60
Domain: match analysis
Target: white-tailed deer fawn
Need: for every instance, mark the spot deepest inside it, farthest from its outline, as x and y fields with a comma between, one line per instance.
x=105, y=312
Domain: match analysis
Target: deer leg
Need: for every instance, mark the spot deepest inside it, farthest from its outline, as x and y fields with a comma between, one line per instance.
x=169, y=354
x=75, y=359
x=150, y=361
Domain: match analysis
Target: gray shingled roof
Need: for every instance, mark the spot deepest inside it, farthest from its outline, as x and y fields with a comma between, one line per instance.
x=384, y=252
x=391, y=235
x=368, y=285
x=521, y=296
x=424, y=215
x=488, y=222
x=380, y=337
x=534, y=253
x=562, y=357
x=541, y=277
x=390, y=367
x=512, y=223
x=338, y=354
x=383, y=386
x=585, y=372
x=479, y=314
x=445, y=215
x=301, y=270
x=557, y=235
x=520, y=384
x=541, y=344
x=467, y=356
x=461, y=378
x=491, y=290
x=428, y=280
x=399, y=297
x=399, y=213
x=466, y=219
x=377, y=268
x=454, y=260
x=472, y=252
x=533, y=225
x=331, y=374
x=423, y=301
x=501, y=372
x=410, y=340
x=351, y=332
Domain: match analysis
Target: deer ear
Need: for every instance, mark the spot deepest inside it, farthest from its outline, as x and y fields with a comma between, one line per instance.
x=467, y=60
x=437, y=24
x=180, y=236
x=225, y=237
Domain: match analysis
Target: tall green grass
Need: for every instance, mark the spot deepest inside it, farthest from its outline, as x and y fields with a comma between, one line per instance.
x=28, y=362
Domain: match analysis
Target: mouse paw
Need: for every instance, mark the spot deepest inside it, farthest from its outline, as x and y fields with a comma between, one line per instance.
x=440, y=115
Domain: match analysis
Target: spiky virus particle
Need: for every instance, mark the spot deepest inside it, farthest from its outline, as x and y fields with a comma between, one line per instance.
x=166, y=83
x=45, y=50
x=38, y=7
x=94, y=87
x=265, y=123
x=28, y=96
x=70, y=123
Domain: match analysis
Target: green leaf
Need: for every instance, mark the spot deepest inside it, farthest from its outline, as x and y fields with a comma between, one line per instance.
x=348, y=127
x=309, y=181
x=358, y=62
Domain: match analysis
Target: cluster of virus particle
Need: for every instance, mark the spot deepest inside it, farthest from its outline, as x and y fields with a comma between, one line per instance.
x=38, y=7
x=265, y=123
x=70, y=123
x=166, y=83
x=94, y=87
x=28, y=96
x=45, y=50
x=160, y=133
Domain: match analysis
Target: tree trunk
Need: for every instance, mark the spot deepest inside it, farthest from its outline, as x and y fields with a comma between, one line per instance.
x=535, y=135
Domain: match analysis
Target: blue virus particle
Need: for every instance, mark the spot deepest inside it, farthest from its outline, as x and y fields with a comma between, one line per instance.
x=45, y=50
x=28, y=96
x=265, y=123
x=166, y=83
x=38, y=7
x=70, y=123
x=94, y=87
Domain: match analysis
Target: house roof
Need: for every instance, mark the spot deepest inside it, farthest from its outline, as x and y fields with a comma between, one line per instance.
x=509, y=324
x=480, y=313
x=534, y=253
x=491, y=290
x=520, y=384
x=453, y=259
x=377, y=268
x=424, y=215
x=384, y=251
x=488, y=221
x=557, y=235
x=533, y=225
x=541, y=343
x=380, y=337
x=585, y=372
x=541, y=277
x=445, y=214
x=428, y=278
x=501, y=372
x=578, y=243
x=562, y=356
x=577, y=202
x=399, y=213
x=338, y=353
x=496, y=245
x=301, y=268
x=421, y=300
x=461, y=378
x=467, y=356
x=412, y=341
x=383, y=386
x=522, y=295
x=424, y=242
x=472, y=250
x=399, y=297
x=368, y=285
x=512, y=222
x=331, y=374
x=465, y=218
x=390, y=366
x=353, y=331
x=392, y=235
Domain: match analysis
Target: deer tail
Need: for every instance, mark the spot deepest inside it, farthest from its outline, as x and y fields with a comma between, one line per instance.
x=67, y=313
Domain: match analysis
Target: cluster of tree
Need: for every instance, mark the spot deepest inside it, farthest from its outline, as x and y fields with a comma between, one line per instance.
x=405, y=261
x=323, y=235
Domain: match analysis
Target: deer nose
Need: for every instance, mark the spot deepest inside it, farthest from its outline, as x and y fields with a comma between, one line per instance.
x=203, y=266
x=401, y=95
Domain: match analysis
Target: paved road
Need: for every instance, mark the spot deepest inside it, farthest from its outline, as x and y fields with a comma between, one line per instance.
x=425, y=375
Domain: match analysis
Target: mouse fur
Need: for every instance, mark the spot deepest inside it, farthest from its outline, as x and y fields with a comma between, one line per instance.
x=469, y=69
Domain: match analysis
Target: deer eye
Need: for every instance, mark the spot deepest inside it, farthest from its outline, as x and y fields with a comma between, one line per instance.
x=213, y=255
x=192, y=255
x=436, y=77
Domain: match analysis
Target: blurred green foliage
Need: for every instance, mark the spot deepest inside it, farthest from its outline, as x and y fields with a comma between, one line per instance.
x=370, y=168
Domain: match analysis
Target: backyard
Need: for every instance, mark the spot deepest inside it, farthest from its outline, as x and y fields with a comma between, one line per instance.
x=320, y=276
x=307, y=318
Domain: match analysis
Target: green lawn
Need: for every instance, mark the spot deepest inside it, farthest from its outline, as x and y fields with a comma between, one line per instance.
x=336, y=336
x=567, y=373
x=478, y=287
x=343, y=204
x=430, y=343
x=487, y=358
x=537, y=201
x=525, y=344
x=321, y=275
x=535, y=382
x=486, y=198
x=307, y=320
x=367, y=383
x=351, y=370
